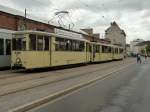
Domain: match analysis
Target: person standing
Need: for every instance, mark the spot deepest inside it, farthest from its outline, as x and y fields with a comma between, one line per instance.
x=139, y=58
x=145, y=56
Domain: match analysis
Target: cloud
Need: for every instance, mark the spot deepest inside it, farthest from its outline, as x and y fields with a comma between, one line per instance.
x=132, y=15
x=32, y=3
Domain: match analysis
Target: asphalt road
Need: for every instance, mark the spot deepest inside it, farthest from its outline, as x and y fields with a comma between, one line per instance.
x=134, y=96
x=123, y=91
x=49, y=86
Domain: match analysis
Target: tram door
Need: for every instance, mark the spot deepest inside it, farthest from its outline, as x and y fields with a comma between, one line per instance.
x=93, y=52
x=88, y=52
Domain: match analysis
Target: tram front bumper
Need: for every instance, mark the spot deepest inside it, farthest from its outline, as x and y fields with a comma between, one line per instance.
x=17, y=66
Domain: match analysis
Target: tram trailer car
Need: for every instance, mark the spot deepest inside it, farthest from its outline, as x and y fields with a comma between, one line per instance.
x=118, y=53
x=105, y=52
x=5, y=48
x=36, y=49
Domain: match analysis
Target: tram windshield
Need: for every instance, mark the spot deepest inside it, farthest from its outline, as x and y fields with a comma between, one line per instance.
x=19, y=43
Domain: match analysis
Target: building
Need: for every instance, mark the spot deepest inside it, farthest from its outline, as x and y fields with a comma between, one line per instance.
x=14, y=20
x=142, y=47
x=133, y=46
x=116, y=35
x=128, y=51
x=94, y=37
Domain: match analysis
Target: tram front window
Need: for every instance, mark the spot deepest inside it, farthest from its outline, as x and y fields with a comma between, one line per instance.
x=32, y=42
x=19, y=44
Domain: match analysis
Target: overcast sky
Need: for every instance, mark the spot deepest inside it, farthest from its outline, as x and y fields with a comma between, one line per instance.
x=131, y=15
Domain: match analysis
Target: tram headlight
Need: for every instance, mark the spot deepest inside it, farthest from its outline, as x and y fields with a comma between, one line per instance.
x=18, y=60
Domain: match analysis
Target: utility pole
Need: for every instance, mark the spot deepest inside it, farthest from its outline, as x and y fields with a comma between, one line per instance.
x=25, y=21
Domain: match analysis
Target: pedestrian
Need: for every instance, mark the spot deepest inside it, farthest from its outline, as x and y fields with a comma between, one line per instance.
x=138, y=58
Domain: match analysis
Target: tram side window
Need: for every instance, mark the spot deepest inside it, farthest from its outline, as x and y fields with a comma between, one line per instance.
x=116, y=50
x=88, y=47
x=1, y=46
x=68, y=44
x=59, y=44
x=39, y=43
x=109, y=49
x=81, y=46
x=73, y=45
x=121, y=50
x=46, y=43
x=8, y=46
x=77, y=46
x=97, y=48
x=17, y=44
x=112, y=49
x=104, y=49
x=32, y=41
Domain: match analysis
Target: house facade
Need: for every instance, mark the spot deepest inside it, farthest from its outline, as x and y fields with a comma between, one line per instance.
x=116, y=35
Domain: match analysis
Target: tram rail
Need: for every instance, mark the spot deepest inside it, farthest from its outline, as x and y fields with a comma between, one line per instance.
x=33, y=84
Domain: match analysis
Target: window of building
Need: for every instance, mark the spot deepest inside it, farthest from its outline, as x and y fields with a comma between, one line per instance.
x=32, y=43
x=39, y=43
x=8, y=47
x=1, y=46
x=46, y=43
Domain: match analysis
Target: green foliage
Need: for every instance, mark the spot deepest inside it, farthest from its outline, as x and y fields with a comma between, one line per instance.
x=143, y=51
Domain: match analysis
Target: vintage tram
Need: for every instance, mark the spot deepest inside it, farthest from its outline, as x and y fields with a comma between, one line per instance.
x=37, y=49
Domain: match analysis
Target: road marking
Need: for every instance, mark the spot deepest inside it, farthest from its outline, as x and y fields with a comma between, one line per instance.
x=54, y=96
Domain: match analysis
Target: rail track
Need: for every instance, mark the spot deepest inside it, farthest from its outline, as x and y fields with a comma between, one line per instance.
x=10, y=73
x=17, y=77
x=64, y=92
x=47, y=80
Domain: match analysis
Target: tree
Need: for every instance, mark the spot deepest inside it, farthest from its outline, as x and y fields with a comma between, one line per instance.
x=143, y=51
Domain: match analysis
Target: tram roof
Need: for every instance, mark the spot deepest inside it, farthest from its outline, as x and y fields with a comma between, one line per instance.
x=103, y=44
x=49, y=34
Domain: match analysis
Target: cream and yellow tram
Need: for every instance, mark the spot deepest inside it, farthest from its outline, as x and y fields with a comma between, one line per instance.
x=117, y=53
x=101, y=52
x=105, y=52
x=36, y=49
